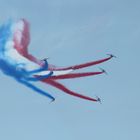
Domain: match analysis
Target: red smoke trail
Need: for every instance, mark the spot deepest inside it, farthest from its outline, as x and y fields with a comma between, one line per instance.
x=66, y=90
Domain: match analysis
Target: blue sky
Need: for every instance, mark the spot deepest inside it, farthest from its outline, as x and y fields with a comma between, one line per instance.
x=72, y=32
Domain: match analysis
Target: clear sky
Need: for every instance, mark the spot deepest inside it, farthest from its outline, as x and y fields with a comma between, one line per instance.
x=72, y=32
